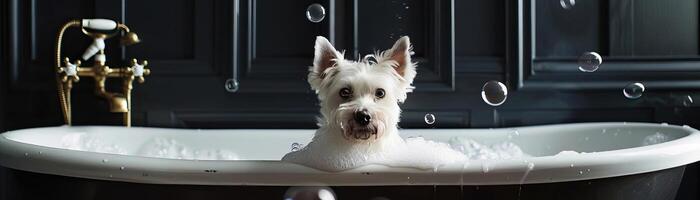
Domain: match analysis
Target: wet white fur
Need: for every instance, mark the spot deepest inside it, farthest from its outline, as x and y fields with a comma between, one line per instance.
x=329, y=150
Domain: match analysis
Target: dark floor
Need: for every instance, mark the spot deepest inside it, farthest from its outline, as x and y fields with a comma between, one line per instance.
x=655, y=185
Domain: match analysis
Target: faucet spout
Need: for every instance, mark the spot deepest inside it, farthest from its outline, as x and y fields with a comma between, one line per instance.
x=118, y=103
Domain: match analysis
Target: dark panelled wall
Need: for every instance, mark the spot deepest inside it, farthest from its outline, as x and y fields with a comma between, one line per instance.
x=197, y=45
x=193, y=47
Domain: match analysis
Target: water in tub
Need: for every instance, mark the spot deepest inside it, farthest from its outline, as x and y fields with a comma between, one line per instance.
x=415, y=152
x=418, y=152
x=158, y=147
x=394, y=151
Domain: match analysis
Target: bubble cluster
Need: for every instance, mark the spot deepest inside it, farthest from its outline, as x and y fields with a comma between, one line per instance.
x=655, y=139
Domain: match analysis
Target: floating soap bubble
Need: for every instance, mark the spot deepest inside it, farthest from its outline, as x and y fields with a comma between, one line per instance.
x=494, y=93
x=687, y=101
x=633, y=90
x=231, y=85
x=315, y=13
x=370, y=59
x=567, y=4
x=429, y=119
x=309, y=193
x=589, y=61
x=326, y=194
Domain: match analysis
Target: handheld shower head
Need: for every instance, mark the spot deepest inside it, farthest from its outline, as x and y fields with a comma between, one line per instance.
x=99, y=24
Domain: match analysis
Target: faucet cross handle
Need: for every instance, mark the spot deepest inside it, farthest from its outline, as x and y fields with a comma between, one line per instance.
x=70, y=71
x=139, y=70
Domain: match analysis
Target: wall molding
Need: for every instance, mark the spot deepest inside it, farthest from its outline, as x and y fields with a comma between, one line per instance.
x=533, y=73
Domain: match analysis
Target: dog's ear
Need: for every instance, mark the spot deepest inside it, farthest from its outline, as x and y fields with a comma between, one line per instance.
x=325, y=58
x=400, y=56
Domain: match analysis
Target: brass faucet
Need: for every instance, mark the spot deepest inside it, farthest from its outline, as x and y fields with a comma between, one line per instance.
x=68, y=73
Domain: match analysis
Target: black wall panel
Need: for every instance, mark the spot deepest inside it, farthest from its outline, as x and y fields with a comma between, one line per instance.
x=194, y=46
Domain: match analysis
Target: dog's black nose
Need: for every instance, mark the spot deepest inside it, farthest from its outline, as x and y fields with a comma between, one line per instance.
x=363, y=117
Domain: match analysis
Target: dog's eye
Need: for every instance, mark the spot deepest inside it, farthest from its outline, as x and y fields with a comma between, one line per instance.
x=379, y=93
x=345, y=93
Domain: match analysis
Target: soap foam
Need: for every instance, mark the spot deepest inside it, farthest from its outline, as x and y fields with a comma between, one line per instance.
x=415, y=152
x=172, y=149
x=567, y=153
x=83, y=142
x=419, y=153
x=477, y=151
x=156, y=148
x=655, y=139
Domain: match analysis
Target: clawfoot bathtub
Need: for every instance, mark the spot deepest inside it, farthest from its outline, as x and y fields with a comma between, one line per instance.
x=570, y=161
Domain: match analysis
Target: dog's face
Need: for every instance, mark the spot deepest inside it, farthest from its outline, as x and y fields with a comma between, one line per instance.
x=360, y=98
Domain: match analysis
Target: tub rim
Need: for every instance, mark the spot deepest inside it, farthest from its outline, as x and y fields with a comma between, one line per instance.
x=547, y=169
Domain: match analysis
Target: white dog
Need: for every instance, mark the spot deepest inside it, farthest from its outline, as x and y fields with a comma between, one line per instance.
x=359, y=107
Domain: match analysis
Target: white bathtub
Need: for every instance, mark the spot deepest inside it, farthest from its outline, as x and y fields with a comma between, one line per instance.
x=612, y=149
